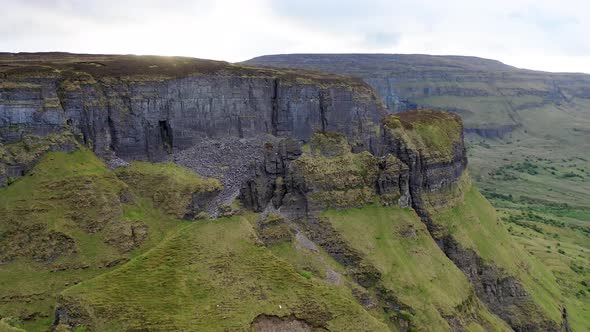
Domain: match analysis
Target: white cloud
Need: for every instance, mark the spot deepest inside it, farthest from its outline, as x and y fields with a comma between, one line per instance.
x=542, y=34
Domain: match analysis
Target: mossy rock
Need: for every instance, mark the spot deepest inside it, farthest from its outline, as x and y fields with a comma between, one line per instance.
x=274, y=229
x=335, y=177
x=329, y=144
x=435, y=134
x=169, y=186
x=32, y=147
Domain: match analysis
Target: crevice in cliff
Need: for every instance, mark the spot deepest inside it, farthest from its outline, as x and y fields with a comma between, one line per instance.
x=323, y=110
x=274, y=115
x=113, y=134
x=166, y=135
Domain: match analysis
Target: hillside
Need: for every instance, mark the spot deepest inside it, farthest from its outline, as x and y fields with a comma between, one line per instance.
x=527, y=134
x=158, y=194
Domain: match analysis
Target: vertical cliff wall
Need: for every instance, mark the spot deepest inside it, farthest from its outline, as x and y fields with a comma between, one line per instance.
x=147, y=108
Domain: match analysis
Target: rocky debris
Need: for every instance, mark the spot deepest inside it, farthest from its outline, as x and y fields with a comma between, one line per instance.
x=273, y=229
x=249, y=130
x=408, y=232
x=364, y=298
x=228, y=160
x=114, y=162
x=113, y=263
x=400, y=313
x=149, y=115
x=127, y=197
x=333, y=277
x=303, y=242
x=68, y=316
x=68, y=266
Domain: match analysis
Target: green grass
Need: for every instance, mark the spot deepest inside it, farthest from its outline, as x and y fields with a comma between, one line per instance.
x=558, y=242
x=488, y=96
x=475, y=225
x=433, y=133
x=342, y=180
x=194, y=282
x=556, y=247
x=397, y=243
x=10, y=325
x=540, y=189
x=73, y=195
x=169, y=186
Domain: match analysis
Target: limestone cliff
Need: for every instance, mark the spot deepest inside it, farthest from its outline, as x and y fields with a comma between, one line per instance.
x=489, y=95
x=287, y=143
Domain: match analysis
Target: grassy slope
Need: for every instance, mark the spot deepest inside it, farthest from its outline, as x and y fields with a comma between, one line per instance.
x=195, y=282
x=568, y=261
x=522, y=175
x=475, y=225
x=170, y=187
x=557, y=131
x=67, y=194
x=414, y=267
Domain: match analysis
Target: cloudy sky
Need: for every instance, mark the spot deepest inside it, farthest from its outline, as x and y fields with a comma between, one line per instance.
x=546, y=35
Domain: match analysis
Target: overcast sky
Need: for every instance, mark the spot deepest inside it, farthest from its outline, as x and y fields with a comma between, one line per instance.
x=551, y=35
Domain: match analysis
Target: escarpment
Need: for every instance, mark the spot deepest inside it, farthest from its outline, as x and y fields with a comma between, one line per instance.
x=301, y=152
x=489, y=95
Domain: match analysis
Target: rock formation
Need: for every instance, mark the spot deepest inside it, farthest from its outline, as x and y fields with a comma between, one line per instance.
x=286, y=142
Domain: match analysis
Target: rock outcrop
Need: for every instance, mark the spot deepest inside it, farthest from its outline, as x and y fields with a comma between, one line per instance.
x=288, y=144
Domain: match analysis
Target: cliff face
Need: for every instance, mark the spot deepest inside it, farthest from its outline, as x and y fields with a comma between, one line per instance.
x=146, y=116
x=487, y=94
x=284, y=142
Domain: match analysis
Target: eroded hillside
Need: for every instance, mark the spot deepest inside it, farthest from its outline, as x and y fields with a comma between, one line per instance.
x=147, y=193
x=527, y=134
